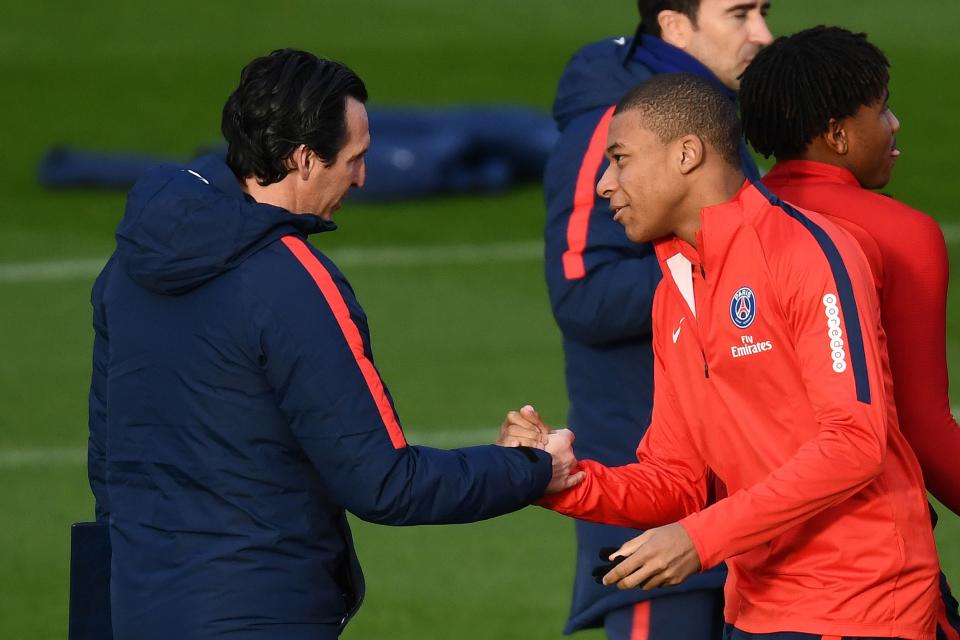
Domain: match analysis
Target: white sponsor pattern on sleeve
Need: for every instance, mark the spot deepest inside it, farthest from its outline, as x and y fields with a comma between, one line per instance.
x=835, y=333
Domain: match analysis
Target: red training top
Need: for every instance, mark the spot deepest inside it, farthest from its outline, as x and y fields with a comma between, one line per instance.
x=908, y=258
x=769, y=373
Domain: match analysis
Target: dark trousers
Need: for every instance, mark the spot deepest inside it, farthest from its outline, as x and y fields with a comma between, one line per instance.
x=693, y=615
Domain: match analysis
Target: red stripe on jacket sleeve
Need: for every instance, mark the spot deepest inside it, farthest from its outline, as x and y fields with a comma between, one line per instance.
x=351, y=334
x=584, y=197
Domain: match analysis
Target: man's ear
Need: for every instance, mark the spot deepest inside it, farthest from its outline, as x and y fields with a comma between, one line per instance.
x=691, y=151
x=675, y=28
x=304, y=161
x=835, y=137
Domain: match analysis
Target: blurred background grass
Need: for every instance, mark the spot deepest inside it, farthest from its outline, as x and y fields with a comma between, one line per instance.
x=458, y=344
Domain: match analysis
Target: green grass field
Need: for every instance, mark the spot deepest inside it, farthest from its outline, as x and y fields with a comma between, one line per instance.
x=478, y=341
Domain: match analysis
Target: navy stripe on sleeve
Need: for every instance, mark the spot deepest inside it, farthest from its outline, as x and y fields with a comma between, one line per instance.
x=848, y=302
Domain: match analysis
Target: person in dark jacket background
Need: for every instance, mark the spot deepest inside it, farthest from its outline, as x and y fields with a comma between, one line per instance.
x=601, y=285
x=235, y=410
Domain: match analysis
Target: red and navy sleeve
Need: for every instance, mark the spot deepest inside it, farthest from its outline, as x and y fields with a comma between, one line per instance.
x=826, y=291
x=314, y=345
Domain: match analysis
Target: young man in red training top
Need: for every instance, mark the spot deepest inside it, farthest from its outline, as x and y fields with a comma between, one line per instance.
x=769, y=377
x=834, y=138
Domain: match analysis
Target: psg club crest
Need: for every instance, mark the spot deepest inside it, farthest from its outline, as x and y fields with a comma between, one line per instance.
x=743, y=307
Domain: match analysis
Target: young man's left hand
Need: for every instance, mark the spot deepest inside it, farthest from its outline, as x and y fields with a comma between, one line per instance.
x=661, y=557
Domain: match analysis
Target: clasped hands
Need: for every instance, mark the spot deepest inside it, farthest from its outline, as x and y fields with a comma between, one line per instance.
x=660, y=557
x=524, y=428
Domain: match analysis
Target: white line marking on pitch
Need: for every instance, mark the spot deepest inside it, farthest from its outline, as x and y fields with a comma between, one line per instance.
x=444, y=439
x=352, y=257
x=14, y=458
x=48, y=457
x=53, y=271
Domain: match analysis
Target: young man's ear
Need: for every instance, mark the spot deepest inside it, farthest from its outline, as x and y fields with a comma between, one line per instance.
x=835, y=137
x=691, y=150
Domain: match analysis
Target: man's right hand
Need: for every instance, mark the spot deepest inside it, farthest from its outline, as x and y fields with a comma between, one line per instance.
x=523, y=428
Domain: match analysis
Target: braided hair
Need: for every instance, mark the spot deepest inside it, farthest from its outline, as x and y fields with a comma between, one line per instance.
x=795, y=86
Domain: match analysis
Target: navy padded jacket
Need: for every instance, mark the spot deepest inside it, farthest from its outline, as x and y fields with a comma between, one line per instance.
x=235, y=416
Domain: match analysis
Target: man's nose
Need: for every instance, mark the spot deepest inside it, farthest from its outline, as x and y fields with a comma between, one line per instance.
x=894, y=122
x=759, y=31
x=607, y=182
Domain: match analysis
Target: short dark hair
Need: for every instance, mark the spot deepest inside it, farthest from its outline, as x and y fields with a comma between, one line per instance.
x=795, y=86
x=650, y=9
x=678, y=104
x=286, y=99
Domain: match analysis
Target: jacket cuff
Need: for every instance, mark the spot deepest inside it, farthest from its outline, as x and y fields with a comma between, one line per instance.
x=543, y=470
x=549, y=501
x=692, y=524
x=565, y=501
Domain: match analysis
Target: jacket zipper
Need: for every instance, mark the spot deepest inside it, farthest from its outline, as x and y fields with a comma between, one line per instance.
x=706, y=368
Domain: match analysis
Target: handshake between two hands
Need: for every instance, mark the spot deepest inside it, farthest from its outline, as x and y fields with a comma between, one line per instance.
x=524, y=428
x=660, y=557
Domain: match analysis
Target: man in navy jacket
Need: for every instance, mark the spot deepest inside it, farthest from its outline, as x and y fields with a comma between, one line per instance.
x=235, y=410
x=601, y=284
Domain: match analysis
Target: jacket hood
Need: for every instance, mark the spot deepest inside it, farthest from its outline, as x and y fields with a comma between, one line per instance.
x=603, y=72
x=185, y=225
x=597, y=76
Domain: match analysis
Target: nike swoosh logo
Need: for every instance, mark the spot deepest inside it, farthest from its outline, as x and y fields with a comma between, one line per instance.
x=676, y=334
x=198, y=176
x=620, y=41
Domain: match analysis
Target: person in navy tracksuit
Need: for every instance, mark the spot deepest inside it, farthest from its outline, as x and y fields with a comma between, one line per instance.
x=235, y=410
x=601, y=285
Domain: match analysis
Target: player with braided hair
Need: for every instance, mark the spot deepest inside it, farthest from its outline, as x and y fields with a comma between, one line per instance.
x=818, y=102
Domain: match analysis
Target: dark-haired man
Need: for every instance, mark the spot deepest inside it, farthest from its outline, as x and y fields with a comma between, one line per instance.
x=601, y=284
x=235, y=410
x=769, y=385
x=834, y=138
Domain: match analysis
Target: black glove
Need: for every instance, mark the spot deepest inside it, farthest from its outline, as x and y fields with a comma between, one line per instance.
x=601, y=570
